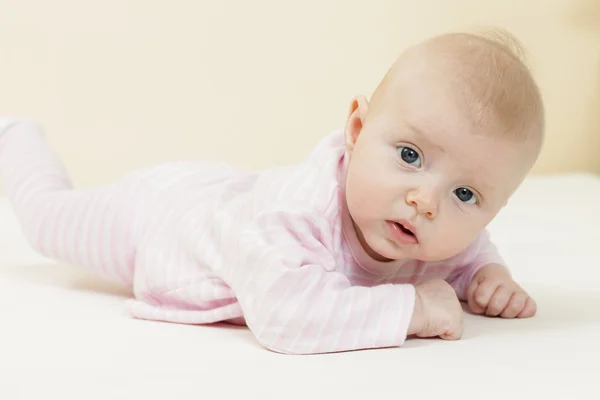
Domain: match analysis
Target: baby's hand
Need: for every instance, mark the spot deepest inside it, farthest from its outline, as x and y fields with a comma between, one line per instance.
x=494, y=293
x=437, y=311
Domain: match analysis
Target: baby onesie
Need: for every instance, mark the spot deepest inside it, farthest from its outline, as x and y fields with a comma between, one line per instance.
x=203, y=242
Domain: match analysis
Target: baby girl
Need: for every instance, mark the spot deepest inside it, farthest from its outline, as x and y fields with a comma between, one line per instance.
x=376, y=236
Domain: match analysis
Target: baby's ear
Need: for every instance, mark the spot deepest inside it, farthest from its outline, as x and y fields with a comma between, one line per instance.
x=354, y=124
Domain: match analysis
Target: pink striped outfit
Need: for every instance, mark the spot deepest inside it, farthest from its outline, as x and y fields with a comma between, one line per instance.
x=204, y=242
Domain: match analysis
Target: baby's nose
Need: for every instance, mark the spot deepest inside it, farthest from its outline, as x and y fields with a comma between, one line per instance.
x=424, y=202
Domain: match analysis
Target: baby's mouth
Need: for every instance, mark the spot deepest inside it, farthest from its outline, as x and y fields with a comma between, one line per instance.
x=404, y=232
x=404, y=229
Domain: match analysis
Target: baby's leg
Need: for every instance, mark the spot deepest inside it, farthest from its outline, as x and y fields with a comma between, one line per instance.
x=91, y=228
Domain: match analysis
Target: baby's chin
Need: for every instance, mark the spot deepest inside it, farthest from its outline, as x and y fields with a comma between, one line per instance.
x=387, y=250
x=384, y=249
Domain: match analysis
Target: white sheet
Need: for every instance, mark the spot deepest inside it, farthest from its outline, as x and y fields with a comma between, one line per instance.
x=63, y=333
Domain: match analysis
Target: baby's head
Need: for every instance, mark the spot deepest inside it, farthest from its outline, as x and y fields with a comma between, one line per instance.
x=448, y=136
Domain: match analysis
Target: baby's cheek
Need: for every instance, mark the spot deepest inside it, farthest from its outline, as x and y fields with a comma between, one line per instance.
x=367, y=189
x=451, y=242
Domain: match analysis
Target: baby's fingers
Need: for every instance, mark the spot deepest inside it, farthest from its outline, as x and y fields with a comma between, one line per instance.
x=515, y=305
x=498, y=302
x=481, y=295
x=475, y=308
x=529, y=310
x=455, y=330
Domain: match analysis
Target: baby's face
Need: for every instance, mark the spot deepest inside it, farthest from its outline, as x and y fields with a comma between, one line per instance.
x=422, y=182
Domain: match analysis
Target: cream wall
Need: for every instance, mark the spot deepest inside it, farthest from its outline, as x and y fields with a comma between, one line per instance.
x=125, y=83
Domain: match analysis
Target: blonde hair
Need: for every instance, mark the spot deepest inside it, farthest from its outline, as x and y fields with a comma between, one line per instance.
x=492, y=73
x=487, y=70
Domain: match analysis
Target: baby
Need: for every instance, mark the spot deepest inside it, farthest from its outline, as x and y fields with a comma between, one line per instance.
x=376, y=236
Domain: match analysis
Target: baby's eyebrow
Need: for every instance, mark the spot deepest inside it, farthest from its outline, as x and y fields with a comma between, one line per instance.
x=483, y=187
x=422, y=135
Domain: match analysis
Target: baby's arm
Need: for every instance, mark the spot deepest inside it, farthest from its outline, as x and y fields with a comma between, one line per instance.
x=295, y=302
x=485, y=283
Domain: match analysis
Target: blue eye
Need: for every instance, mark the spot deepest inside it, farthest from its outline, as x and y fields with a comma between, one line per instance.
x=465, y=195
x=410, y=156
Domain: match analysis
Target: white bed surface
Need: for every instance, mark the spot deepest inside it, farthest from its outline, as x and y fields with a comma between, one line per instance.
x=64, y=334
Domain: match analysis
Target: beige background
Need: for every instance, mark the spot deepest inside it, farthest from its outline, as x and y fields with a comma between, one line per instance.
x=125, y=83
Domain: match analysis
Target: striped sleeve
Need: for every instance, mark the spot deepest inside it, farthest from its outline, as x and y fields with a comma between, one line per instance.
x=294, y=300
